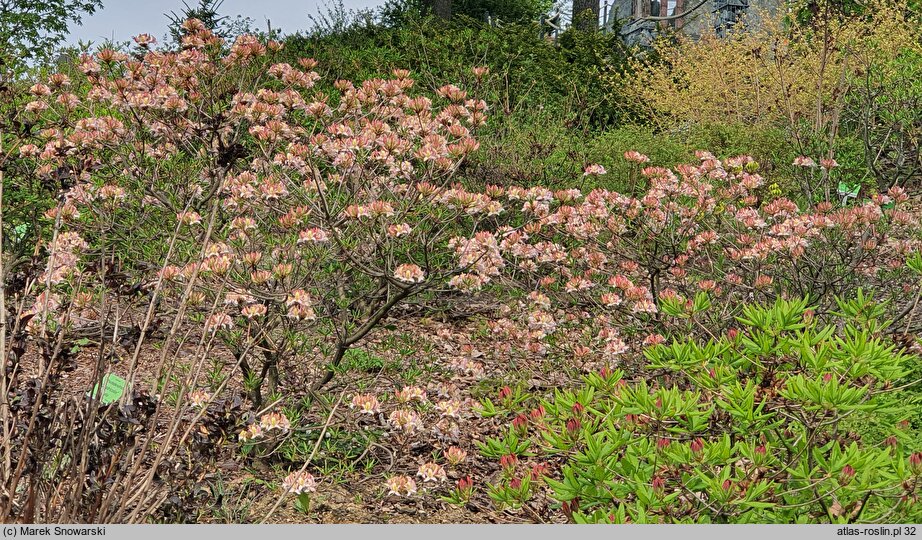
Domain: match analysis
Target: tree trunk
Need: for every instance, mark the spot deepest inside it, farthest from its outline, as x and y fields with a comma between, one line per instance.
x=586, y=14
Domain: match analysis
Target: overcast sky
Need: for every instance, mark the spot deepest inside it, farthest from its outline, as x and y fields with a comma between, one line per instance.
x=123, y=19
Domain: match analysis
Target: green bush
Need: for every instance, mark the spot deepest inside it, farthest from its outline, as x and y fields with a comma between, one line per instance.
x=750, y=427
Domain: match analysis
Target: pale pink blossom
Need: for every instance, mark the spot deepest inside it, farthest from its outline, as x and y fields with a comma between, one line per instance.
x=431, y=472
x=300, y=482
x=401, y=486
x=409, y=273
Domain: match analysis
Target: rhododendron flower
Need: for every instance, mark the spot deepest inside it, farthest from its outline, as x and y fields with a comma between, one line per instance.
x=36, y=106
x=467, y=283
x=145, y=40
x=189, y=218
x=366, y=404
x=219, y=321
x=260, y=277
x=804, y=161
x=274, y=421
x=405, y=420
x=431, y=472
x=299, y=306
x=411, y=393
x=243, y=224
x=29, y=150
x=450, y=407
x=409, y=273
x=915, y=462
x=40, y=90
x=614, y=347
x=468, y=366
x=357, y=211
x=111, y=192
x=898, y=194
x=252, y=432
x=398, y=230
x=847, y=474
x=253, y=310
x=828, y=163
x=455, y=455
x=199, y=398
x=636, y=157
x=234, y=299
x=381, y=208
x=300, y=482
x=594, y=170
x=314, y=235
x=401, y=486
x=644, y=306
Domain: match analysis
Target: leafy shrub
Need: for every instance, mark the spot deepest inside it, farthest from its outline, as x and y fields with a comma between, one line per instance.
x=685, y=253
x=814, y=79
x=290, y=224
x=746, y=427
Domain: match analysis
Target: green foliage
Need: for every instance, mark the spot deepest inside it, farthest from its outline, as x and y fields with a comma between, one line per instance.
x=31, y=29
x=504, y=10
x=398, y=12
x=753, y=427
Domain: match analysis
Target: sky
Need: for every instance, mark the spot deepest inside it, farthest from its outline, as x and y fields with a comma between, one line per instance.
x=122, y=19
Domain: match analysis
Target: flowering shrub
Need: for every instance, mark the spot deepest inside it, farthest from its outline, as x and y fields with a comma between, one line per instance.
x=755, y=426
x=684, y=256
x=298, y=219
x=264, y=228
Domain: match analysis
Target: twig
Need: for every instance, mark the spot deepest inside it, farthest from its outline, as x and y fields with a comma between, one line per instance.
x=309, y=458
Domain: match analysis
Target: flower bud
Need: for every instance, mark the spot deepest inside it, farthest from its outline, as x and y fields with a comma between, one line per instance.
x=508, y=462
x=520, y=423
x=573, y=426
x=915, y=462
x=466, y=484
x=847, y=474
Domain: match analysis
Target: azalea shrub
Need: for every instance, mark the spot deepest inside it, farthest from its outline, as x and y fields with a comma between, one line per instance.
x=755, y=426
x=227, y=232
x=285, y=221
x=604, y=269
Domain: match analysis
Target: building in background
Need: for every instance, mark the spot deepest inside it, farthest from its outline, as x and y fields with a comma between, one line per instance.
x=641, y=20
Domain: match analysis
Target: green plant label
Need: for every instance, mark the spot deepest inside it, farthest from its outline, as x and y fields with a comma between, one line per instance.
x=850, y=191
x=113, y=387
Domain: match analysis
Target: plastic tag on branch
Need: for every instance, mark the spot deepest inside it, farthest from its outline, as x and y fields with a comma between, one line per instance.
x=113, y=387
x=846, y=190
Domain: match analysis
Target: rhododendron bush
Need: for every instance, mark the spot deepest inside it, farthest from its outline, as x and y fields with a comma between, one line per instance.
x=294, y=224
x=607, y=268
x=229, y=237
